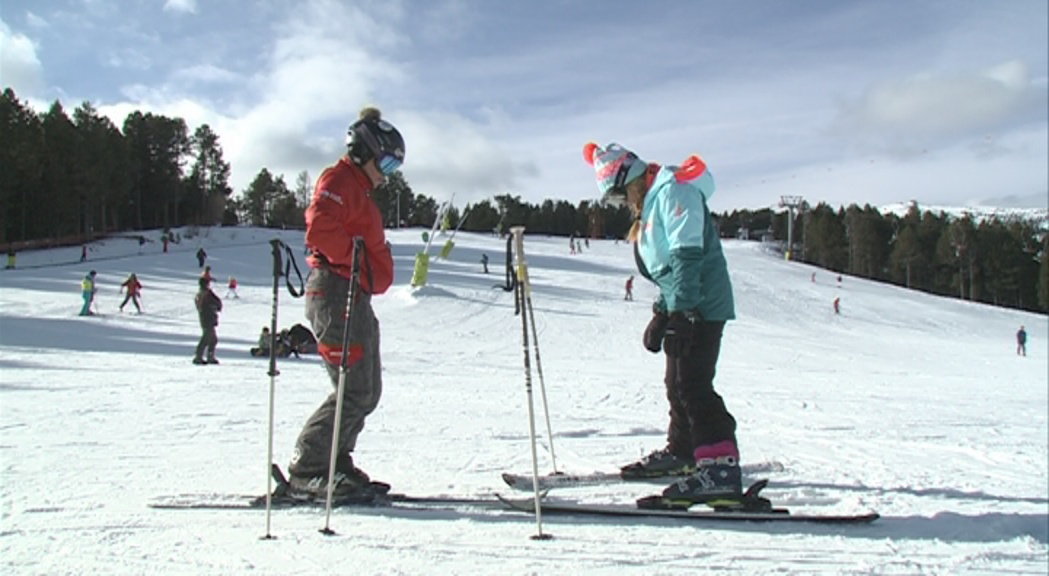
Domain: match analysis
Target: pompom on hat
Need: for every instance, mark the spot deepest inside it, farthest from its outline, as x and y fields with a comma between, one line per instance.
x=615, y=167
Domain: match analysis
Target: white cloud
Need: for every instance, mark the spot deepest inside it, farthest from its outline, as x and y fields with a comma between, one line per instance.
x=185, y=6
x=20, y=67
x=129, y=59
x=447, y=154
x=906, y=116
x=316, y=76
x=205, y=74
x=511, y=117
x=34, y=21
x=318, y=73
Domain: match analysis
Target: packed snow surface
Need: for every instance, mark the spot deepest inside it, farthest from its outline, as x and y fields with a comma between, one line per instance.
x=914, y=406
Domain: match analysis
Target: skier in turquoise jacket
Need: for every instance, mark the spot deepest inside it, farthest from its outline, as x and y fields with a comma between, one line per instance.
x=676, y=246
x=87, y=293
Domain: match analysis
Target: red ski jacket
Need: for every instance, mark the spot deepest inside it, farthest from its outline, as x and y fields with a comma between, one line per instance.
x=341, y=209
x=133, y=286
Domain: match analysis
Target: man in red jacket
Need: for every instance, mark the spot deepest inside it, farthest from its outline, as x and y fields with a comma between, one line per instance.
x=341, y=209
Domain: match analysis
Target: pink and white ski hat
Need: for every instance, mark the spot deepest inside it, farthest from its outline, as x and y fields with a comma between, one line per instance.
x=615, y=166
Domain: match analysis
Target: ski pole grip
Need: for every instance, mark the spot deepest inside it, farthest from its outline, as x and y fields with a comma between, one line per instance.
x=276, y=244
x=518, y=234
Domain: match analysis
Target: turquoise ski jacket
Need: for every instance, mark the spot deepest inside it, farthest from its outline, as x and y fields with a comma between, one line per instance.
x=679, y=248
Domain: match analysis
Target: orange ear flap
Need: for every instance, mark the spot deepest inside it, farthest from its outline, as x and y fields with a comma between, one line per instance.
x=589, y=149
x=693, y=167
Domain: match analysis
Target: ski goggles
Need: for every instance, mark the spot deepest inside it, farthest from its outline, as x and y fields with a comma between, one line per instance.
x=388, y=164
x=616, y=195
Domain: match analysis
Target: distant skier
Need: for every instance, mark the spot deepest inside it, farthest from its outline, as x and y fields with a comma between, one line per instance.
x=202, y=257
x=165, y=240
x=231, y=288
x=83, y=253
x=11, y=259
x=629, y=288
x=208, y=307
x=87, y=292
x=1021, y=342
x=133, y=287
x=676, y=246
x=837, y=305
x=484, y=262
x=207, y=274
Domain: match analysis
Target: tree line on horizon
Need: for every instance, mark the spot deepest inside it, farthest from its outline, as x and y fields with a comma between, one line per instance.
x=68, y=179
x=993, y=260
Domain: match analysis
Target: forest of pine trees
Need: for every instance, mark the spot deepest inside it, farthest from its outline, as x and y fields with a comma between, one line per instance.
x=68, y=179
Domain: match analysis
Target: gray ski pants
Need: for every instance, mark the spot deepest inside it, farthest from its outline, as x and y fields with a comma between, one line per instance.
x=209, y=339
x=326, y=294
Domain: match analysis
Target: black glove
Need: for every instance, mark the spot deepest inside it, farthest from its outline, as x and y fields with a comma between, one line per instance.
x=678, y=335
x=653, y=337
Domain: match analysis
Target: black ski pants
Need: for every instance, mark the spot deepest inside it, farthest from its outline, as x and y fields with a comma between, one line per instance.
x=698, y=415
x=134, y=300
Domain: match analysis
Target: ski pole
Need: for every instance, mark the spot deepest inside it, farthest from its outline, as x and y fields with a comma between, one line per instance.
x=539, y=367
x=521, y=296
x=355, y=276
x=276, y=244
x=511, y=284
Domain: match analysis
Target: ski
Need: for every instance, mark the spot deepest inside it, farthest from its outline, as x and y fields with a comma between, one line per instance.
x=750, y=507
x=206, y=501
x=378, y=496
x=562, y=480
x=626, y=511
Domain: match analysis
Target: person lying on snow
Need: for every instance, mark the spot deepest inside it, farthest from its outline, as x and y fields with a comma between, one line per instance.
x=296, y=340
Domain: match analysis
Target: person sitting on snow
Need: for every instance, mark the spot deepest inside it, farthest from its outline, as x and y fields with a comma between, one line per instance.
x=263, y=349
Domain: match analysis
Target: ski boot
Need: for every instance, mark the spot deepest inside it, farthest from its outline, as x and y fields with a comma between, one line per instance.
x=351, y=486
x=716, y=482
x=658, y=464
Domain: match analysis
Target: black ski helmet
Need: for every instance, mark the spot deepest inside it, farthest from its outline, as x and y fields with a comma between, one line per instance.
x=371, y=137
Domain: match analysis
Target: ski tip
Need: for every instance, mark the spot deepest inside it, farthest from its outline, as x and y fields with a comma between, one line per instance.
x=278, y=474
x=509, y=479
x=516, y=504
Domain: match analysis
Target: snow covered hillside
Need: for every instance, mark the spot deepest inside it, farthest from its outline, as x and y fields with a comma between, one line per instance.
x=914, y=406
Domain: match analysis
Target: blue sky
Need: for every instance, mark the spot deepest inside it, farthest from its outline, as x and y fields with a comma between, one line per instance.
x=943, y=102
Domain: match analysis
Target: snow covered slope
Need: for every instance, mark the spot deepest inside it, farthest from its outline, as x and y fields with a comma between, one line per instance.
x=912, y=405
